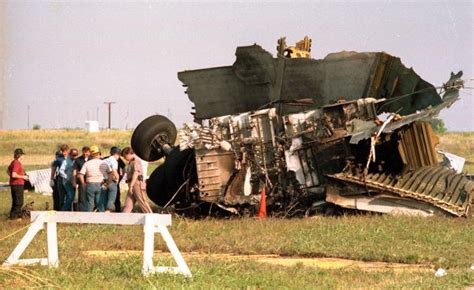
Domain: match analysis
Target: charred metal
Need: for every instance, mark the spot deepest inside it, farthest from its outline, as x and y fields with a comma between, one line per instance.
x=351, y=129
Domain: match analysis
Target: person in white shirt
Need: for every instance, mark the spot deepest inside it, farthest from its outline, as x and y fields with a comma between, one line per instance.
x=112, y=178
x=93, y=176
x=65, y=171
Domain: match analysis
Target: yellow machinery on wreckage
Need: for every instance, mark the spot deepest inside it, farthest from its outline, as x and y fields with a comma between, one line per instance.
x=352, y=130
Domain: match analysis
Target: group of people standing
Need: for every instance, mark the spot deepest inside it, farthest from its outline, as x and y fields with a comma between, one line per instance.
x=95, y=179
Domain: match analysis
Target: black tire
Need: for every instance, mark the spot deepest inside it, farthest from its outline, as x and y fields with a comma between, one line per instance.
x=147, y=131
x=167, y=178
x=156, y=187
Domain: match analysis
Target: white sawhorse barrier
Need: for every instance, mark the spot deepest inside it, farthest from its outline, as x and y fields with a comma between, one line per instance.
x=152, y=223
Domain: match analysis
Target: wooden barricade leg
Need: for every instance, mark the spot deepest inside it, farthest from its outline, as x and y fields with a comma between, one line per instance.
x=14, y=257
x=148, y=246
x=182, y=266
x=148, y=267
x=53, y=258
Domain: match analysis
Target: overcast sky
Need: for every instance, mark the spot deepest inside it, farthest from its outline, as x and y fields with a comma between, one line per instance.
x=64, y=59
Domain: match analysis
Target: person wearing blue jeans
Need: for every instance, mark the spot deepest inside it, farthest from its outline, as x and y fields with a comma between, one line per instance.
x=111, y=195
x=95, y=194
x=66, y=177
x=112, y=178
x=76, y=182
x=59, y=192
x=70, y=193
x=94, y=177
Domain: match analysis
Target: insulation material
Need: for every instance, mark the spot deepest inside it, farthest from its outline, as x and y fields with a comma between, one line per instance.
x=39, y=179
x=293, y=161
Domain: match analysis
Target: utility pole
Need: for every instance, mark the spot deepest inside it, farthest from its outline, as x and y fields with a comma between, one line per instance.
x=109, y=104
x=28, y=118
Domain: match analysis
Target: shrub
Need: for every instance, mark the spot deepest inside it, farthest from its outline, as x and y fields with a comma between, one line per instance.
x=438, y=125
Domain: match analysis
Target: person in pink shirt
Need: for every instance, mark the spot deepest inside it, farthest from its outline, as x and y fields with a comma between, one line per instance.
x=17, y=183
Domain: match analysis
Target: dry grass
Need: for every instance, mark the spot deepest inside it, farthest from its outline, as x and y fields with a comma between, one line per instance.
x=21, y=276
x=45, y=142
x=437, y=242
x=41, y=145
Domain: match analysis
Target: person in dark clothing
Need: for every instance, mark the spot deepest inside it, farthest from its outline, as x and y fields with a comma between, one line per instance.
x=78, y=163
x=17, y=183
x=121, y=171
x=66, y=172
x=112, y=178
x=59, y=191
x=53, y=183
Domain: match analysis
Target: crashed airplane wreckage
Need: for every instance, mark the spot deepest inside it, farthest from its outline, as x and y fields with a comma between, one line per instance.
x=351, y=129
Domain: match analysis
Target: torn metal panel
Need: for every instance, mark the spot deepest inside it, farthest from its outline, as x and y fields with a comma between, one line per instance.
x=450, y=95
x=231, y=90
x=384, y=203
x=436, y=185
x=214, y=169
x=452, y=161
x=417, y=145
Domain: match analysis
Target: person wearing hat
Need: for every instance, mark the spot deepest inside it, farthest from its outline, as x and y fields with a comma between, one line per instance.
x=17, y=183
x=112, y=178
x=95, y=171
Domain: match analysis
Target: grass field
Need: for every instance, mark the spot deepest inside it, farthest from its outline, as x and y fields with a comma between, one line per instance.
x=432, y=242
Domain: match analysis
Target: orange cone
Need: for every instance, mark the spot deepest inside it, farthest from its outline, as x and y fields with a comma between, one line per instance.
x=262, y=212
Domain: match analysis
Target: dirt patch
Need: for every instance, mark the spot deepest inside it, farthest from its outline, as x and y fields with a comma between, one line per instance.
x=322, y=263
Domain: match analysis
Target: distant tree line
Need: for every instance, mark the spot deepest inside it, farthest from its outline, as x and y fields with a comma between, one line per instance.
x=438, y=125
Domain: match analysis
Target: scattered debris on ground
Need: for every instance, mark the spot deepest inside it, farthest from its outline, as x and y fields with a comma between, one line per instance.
x=441, y=272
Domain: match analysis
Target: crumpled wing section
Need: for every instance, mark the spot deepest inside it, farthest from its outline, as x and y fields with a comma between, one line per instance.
x=257, y=80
